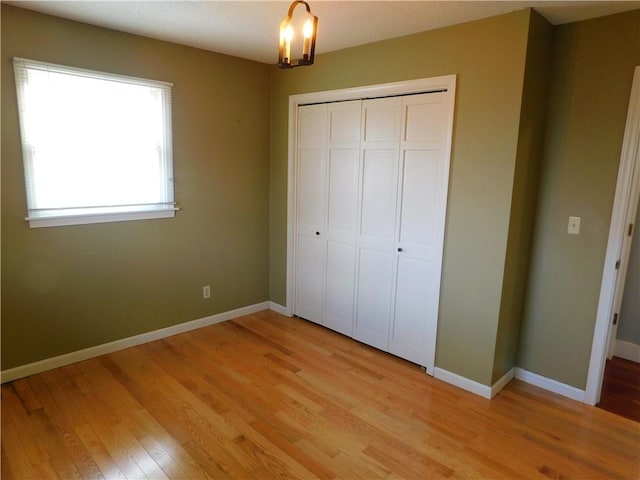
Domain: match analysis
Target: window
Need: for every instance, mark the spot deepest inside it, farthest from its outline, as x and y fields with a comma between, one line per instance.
x=96, y=146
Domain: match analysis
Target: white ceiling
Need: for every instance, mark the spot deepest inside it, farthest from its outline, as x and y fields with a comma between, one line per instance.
x=249, y=29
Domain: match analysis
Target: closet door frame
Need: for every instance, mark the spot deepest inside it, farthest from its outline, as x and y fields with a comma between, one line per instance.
x=423, y=85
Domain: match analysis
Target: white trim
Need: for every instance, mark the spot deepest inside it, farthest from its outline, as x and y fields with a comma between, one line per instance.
x=91, y=352
x=516, y=372
x=422, y=85
x=462, y=382
x=502, y=382
x=473, y=386
x=291, y=199
x=551, y=385
x=99, y=74
x=276, y=307
x=35, y=222
x=627, y=187
x=627, y=350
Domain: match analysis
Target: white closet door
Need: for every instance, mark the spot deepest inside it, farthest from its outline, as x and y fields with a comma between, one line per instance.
x=381, y=121
x=420, y=228
x=371, y=186
x=311, y=199
x=342, y=207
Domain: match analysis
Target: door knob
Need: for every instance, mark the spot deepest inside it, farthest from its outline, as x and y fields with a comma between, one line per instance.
x=400, y=249
x=317, y=233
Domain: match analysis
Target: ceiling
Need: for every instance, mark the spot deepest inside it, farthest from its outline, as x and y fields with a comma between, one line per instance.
x=249, y=29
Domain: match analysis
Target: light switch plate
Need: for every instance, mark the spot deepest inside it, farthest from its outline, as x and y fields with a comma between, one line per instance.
x=574, y=226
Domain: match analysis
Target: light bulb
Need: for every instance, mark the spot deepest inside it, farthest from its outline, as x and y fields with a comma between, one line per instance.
x=288, y=33
x=307, y=30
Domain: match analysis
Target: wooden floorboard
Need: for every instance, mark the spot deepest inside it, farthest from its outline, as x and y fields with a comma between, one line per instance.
x=621, y=388
x=266, y=396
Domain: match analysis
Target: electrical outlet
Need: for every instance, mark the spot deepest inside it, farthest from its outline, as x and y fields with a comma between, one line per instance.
x=206, y=291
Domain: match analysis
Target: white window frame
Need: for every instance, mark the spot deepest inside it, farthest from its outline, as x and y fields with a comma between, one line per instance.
x=69, y=215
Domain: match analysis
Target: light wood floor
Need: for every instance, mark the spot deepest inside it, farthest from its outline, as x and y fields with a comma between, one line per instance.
x=266, y=396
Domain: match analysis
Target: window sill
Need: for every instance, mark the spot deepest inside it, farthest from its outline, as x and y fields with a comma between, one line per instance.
x=88, y=218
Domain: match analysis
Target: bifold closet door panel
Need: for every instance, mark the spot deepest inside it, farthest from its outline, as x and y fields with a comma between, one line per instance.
x=371, y=186
x=310, y=212
x=342, y=213
x=414, y=289
x=420, y=228
x=309, y=279
x=340, y=265
x=381, y=121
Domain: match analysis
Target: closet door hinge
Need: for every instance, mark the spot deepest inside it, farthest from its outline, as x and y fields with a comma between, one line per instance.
x=617, y=264
x=630, y=230
x=615, y=318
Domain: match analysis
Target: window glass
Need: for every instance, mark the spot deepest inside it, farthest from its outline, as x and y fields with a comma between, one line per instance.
x=96, y=146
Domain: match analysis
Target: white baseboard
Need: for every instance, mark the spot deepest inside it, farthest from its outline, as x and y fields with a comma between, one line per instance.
x=91, y=352
x=523, y=375
x=471, y=385
x=502, y=382
x=551, y=385
x=439, y=373
x=627, y=350
x=462, y=382
x=276, y=307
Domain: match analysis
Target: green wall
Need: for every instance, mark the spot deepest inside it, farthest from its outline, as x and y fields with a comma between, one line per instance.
x=525, y=191
x=591, y=79
x=68, y=288
x=510, y=192
x=489, y=58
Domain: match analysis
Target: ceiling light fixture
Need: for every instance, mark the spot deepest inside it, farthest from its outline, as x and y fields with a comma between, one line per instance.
x=305, y=39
